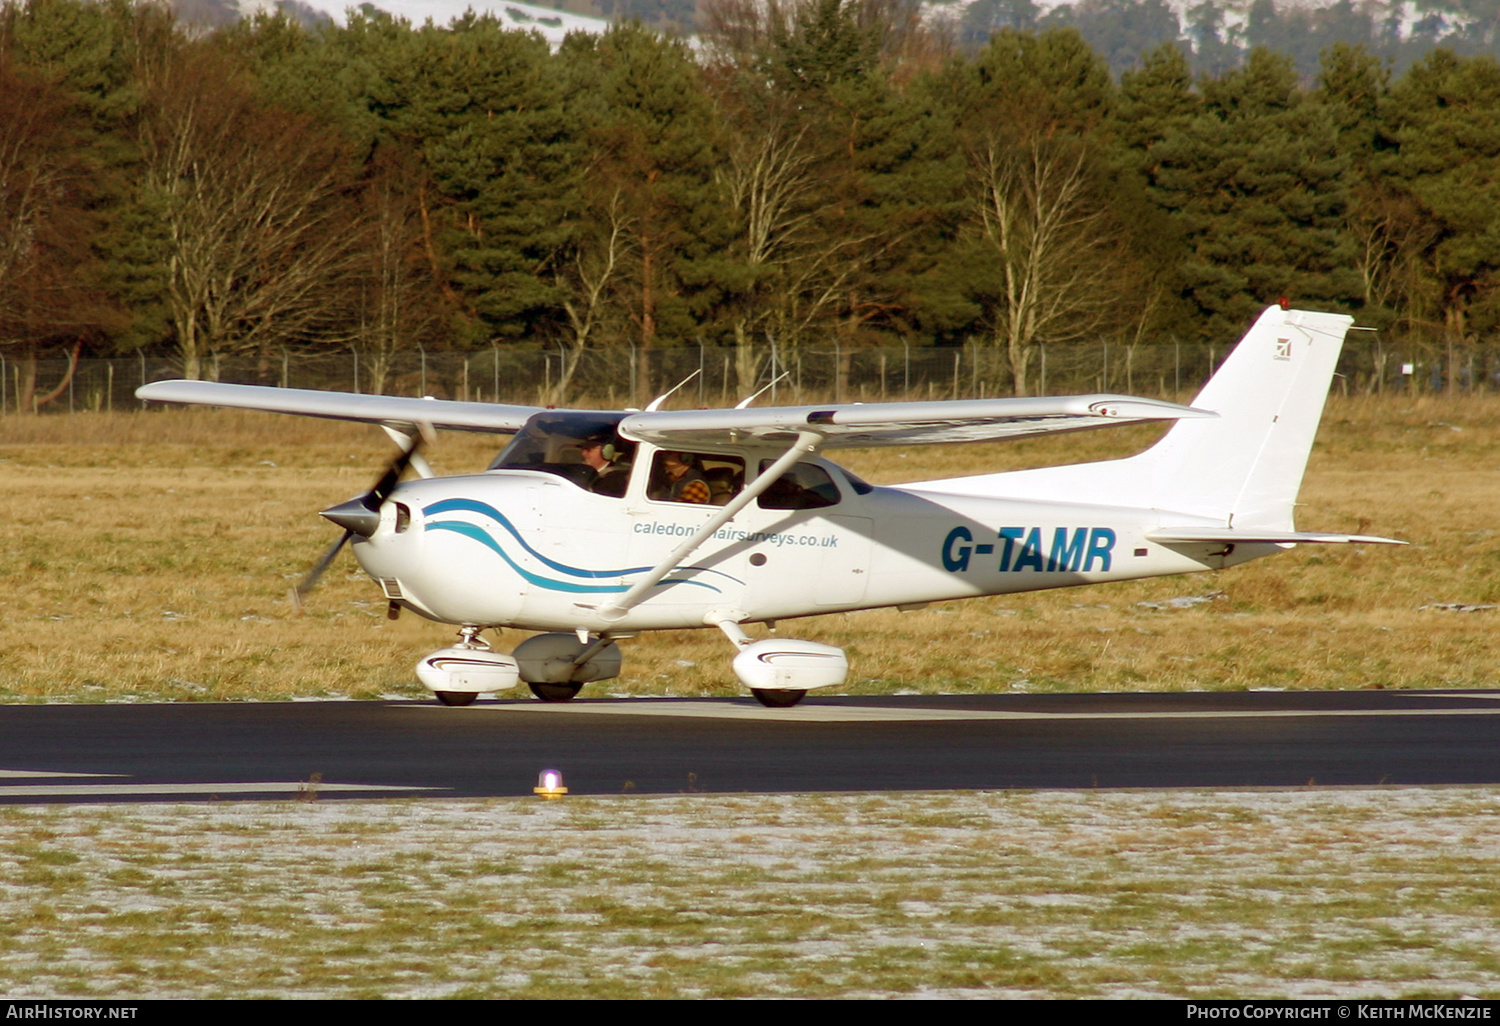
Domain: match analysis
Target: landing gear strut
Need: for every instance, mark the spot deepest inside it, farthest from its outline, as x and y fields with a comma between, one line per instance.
x=556, y=666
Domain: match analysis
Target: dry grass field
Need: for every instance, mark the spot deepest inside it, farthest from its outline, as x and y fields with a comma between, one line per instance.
x=148, y=555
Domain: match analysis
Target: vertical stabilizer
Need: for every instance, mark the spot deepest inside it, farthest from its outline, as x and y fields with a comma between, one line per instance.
x=1269, y=394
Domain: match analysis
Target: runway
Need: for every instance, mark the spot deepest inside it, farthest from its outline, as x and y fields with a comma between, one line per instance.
x=333, y=750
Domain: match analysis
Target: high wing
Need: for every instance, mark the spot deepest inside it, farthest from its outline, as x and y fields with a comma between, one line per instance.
x=838, y=425
x=861, y=425
x=375, y=409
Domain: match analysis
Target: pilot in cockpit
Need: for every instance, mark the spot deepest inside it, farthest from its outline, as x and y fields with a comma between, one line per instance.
x=600, y=452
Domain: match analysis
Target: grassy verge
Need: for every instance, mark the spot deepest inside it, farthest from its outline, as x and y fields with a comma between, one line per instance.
x=1378, y=893
x=147, y=556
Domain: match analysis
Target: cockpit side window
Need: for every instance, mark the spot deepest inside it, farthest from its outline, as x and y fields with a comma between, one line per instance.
x=707, y=480
x=584, y=448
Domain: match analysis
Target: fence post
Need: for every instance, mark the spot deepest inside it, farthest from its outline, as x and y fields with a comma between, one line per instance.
x=775, y=360
x=109, y=390
x=838, y=370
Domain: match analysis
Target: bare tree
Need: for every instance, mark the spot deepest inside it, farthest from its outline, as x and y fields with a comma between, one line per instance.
x=256, y=229
x=391, y=289
x=1055, y=252
x=769, y=183
x=589, y=277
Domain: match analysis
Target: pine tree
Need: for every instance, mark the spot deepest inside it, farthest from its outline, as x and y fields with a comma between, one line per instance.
x=1444, y=118
x=1255, y=185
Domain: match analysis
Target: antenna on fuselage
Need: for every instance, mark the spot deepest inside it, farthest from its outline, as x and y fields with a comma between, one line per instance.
x=655, y=404
x=751, y=398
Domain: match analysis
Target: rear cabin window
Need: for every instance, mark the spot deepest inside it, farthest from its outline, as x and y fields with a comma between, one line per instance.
x=805, y=486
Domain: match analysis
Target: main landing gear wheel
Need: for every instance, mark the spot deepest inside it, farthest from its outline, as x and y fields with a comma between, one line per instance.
x=456, y=698
x=777, y=698
x=553, y=692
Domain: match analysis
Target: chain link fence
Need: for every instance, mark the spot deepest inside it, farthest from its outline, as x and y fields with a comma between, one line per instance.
x=623, y=377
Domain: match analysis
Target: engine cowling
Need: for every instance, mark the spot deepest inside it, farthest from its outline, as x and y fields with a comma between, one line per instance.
x=785, y=664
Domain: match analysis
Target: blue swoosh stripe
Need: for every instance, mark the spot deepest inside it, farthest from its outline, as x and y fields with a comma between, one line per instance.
x=482, y=536
x=474, y=506
x=485, y=509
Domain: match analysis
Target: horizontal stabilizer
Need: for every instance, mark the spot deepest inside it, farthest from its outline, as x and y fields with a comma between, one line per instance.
x=1229, y=536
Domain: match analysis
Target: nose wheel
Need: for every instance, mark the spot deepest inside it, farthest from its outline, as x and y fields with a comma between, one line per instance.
x=779, y=699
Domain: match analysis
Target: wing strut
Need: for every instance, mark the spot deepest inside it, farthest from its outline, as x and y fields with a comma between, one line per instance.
x=805, y=445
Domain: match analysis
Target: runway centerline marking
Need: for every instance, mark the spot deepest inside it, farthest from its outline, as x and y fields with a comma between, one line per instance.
x=878, y=714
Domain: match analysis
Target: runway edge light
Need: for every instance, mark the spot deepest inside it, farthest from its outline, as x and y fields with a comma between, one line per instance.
x=549, y=785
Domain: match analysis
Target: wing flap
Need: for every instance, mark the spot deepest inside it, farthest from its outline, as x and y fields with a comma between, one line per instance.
x=864, y=425
x=375, y=409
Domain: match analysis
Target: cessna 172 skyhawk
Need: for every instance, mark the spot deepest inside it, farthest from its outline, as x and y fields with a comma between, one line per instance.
x=595, y=526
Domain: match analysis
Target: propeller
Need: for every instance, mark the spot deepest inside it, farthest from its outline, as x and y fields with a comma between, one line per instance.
x=361, y=514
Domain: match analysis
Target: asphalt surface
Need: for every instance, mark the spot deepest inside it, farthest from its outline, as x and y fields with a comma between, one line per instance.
x=83, y=753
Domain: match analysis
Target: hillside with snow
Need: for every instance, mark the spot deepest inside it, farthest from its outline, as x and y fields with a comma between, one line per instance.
x=552, y=24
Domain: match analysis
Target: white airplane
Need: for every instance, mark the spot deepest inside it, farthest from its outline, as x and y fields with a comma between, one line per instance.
x=594, y=526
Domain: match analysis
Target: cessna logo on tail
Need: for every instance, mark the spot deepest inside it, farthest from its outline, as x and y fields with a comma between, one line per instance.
x=1074, y=550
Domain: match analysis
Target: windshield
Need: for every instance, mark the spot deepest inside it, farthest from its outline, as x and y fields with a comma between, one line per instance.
x=583, y=447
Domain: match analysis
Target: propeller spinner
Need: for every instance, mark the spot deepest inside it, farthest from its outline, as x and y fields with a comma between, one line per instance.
x=360, y=515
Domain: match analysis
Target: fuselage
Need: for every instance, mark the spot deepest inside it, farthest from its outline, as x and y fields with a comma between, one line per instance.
x=538, y=549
